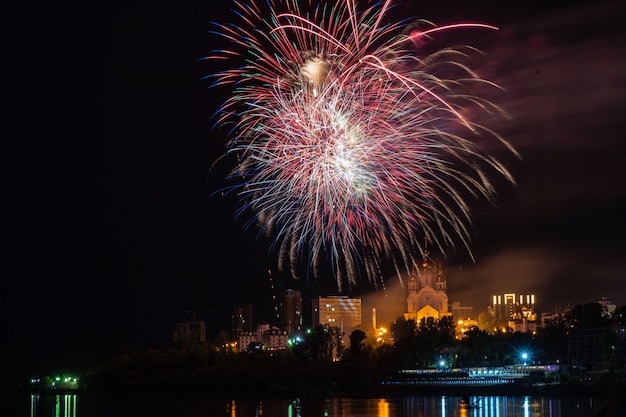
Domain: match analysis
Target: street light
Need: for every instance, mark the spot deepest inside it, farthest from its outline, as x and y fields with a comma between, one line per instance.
x=524, y=357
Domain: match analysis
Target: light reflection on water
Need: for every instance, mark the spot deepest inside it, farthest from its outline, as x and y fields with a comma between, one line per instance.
x=62, y=405
x=81, y=405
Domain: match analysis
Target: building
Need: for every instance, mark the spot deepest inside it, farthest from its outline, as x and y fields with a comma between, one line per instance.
x=546, y=318
x=191, y=331
x=338, y=311
x=267, y=337
x=590, y=346
x=274, y=339
x=596, y=340
x=461, y=312
x=515, y=312
x=513, y=306
x=523, y=325
x=427, y=295
x=242, y=318
x=608, y=307
x=291, y=311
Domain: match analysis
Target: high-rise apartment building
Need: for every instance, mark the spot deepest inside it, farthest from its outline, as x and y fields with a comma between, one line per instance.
x=338, y=311
x=291, y=311
x=242, y=318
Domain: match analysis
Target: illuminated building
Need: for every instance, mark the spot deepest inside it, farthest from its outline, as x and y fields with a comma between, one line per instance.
x=266, y=336
x=338, y=311
x=463, y=319
x=523, y=325
x=291, y=311
x=427, y=295
x=274, y=338
x=513, y=306
x=515, y=311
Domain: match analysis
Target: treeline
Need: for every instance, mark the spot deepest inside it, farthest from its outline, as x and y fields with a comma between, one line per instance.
x=320, y=363
x=310, y=367
x=432, y=343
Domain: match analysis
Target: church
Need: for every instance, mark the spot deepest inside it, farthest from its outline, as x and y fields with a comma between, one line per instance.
x=427, y=295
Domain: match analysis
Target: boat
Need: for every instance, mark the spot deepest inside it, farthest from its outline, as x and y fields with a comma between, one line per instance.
x=449, y=381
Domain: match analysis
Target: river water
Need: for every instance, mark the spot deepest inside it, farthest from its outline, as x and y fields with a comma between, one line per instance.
x=88, y=405
x=84, y=405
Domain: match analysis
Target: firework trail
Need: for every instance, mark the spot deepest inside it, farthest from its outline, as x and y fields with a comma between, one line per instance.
x=347, y=136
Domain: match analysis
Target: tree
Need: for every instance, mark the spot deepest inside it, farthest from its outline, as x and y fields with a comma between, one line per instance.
x=551, y=341
x=323, y=343
x=403, y=330
x=486, y=321
x=476, y=348
x=404, y=336
x=446, y=329
x=588, y=314
x=357, y=345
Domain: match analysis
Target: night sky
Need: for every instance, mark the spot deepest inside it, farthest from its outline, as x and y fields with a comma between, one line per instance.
x=111, y=234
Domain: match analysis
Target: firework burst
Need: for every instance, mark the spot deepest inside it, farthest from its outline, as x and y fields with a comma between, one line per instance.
x=354, y=146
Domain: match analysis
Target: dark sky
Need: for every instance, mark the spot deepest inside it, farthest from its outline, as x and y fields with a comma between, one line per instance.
x=111, y=234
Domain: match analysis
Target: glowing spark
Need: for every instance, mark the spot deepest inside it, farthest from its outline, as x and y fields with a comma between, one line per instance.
x=347, y=137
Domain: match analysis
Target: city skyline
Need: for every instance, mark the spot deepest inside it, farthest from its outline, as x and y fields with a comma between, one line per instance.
x=392, y=305
x=113, y=233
